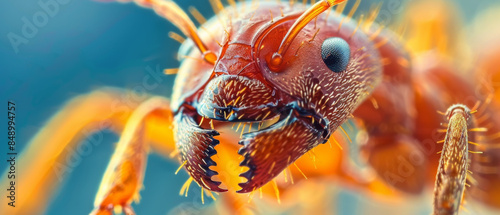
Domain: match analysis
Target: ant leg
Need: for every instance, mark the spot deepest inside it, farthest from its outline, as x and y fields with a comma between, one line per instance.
x=124, y=175
x=452, y=171
x=49, y=151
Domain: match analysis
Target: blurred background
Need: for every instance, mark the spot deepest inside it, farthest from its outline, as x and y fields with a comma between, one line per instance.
x=86, y=45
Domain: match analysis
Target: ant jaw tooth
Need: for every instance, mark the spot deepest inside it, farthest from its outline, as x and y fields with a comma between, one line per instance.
x=196, y=147
x=264, y=165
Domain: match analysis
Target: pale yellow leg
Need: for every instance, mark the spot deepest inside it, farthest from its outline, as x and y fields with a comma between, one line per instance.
x=123, y=178
x=47, y=157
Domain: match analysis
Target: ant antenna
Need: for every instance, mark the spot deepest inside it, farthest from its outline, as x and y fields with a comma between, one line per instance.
x=173, y=13
x=301, y=22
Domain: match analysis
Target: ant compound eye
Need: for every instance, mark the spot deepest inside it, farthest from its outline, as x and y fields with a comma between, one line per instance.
x=335, y=53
